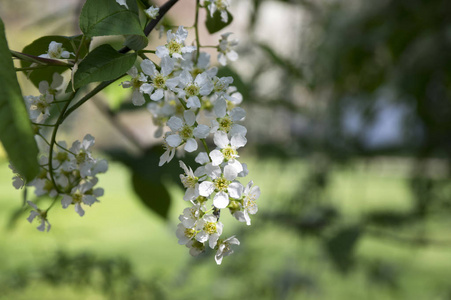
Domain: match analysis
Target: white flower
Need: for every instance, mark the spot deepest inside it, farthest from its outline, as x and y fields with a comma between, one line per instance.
x=210, y=230
x=251, y=194
x=175, y=44
x=225, y=120
x=221, y=6
x=201, y=86
x=83, y=159
x=184, y=131
x=56, y=51
x=42, y=216
x=152, y=12
x=202, y=65
x=190, y=182
x=226, y=149
x=160, y=81
x=136, y=83
x=184, y=234
x=195, y=247
x=191, y=215
x=18, y=181
x=168, y=155
x=222, y=183
x=224, y=248
x=83, y=193
x=225, y=51
x=122, y=2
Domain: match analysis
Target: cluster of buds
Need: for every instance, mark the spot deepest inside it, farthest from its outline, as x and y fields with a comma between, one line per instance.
x=187, y=96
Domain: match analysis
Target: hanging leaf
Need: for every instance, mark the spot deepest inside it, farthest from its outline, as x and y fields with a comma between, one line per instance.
x=107, y=17
x=101, y=64
x=215, y=24
x=153, y=194
x=16, y=133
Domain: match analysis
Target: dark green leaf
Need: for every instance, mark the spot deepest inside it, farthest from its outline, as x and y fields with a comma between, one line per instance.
x=41, y=46
x=340, y=247
x=136, y=42
x=107, y=17
x=215, y=24
x=103, y=63
x=153, y=194
x=16, y=133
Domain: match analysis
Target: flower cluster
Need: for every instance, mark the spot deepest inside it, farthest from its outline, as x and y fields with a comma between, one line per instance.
x=195, y=104
x=70, y=174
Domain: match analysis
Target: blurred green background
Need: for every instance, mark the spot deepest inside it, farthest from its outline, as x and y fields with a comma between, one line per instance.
x=349, y=120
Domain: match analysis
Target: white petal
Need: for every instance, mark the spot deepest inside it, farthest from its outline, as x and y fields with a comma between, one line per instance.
x=66, y=201
x=79, y=209
x=221, y=140
x=148, y=67
x=221, y=200
x=175, y=123
x=202, y=158
x=138, y=98
x=157, y=95
x=190, y=117
x=238, y=129
x=213, y=171
x=174, y=140
x=193, y=102
x=162, y=51
x=171, y=83
x=201, y=131
x=167, y=65
x=216, y=157
x=185, y=78
x=191, y=145
x=220, y=108
x=206, y=188
x=213, y=240
x=238, y=141
x=146, y=88
x=237, y=114
x=235, y=190
x=230, y=173
x=236, y=165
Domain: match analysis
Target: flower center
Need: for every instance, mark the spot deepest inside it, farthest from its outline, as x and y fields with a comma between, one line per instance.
x=77, y=197
x=220, y=4
x=192, y=90
x=189, y=181
x=174, y=47
x=81, y=157
x=225, y=124
x=221, y=184
x=136, y=83
x=159, y=81
x=186, y=132
x=229, y=153
x=210, y=227
x=61, y=156
x=189, y=232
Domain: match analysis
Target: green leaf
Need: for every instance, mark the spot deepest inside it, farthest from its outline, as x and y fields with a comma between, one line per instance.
x=215, y=24
x=41, y=46
x=101, y=64
x=340, y=247
x=153, y=194
x=107, y=17
x=16, y=133
x=136, y=42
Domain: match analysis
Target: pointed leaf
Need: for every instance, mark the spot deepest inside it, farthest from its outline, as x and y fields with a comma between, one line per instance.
x=103, y=63
x=153, y=194
x=16, y=133
x=215, y=24
x=107, y=17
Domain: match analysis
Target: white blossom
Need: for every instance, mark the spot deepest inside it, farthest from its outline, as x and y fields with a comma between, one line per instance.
x=221, y=6
x=41, y=215
x=192, y=89
x=152, y=12
x=224, y=248
x=175, y=46
x=160, y=80
x=251, y=194
x=209, y=230
x=225, y=49
x=136, y=82
x=56, y=51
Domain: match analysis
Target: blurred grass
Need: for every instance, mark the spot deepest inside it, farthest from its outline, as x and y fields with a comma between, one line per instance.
x=273, y=262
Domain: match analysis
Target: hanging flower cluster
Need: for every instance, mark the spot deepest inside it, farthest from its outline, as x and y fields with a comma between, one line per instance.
x=187, y=95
